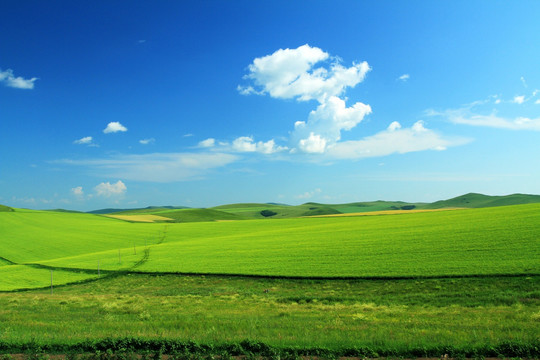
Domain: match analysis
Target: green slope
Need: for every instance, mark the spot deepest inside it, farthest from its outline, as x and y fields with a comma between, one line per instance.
x=273, y=211
x=474, y=200
x=4, y=208
x=489, y=241
x=198, y=215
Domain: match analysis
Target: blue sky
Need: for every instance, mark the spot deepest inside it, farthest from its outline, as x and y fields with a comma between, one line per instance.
x=202, y=103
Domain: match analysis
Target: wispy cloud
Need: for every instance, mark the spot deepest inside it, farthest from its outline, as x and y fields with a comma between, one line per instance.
x=9, y=79
x=156, y=167
x=114, y=127
x=394, y=140
x=87, y=140
x=147, y=141
x=208, y=143
x=404, y=77
x=309, y=194
x=475, y=114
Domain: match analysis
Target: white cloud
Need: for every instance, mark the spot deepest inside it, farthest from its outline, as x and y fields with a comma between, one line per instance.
x=313, y=144
x=404, y=77
x=77, y=191
x=537, y=101
x=114, y=127
x=290, y=73
x=394, y=126
x=107, y=189
x=18, y=82
x=247, y=144
x=394, y=139
x=467, y=117
x=523, y=81
x=157, y=167
x=308, y=194
x=147, y=141
x=325, y=124
x=87, y=140
x=519, y=99
x=210, y=142
x=187, y=135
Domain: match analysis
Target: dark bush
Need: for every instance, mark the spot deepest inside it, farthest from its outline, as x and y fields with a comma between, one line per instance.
x=268, y=213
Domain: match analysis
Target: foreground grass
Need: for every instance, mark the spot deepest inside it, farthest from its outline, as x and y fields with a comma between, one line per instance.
x=396, y=316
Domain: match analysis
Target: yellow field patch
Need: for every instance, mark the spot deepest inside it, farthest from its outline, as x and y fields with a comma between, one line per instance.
x=140, y=218
x=386, y=212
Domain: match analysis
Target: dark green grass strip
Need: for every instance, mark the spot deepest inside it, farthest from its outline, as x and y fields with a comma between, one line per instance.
x=105, y=349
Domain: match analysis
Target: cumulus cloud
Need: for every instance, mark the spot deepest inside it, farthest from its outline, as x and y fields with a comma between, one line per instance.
x=9, y=79
x=325, y=124
x=208, y=143
x=87, y=140
x=147, y=141
x=291, y=73
x=156, y=167
x=114, y=127
x=394, y=139
x=404, y=77
x=106, y=189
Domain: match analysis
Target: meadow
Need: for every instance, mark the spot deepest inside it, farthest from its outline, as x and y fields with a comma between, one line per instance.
x=463, y=282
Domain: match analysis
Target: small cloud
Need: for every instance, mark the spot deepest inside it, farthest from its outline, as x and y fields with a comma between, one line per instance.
x=107, y=189
x=114, y=127
x=537, y=101
x=207, y=143
x=394, y=126
x=11, y=80
x=77, y=191
x=87, y=140
x=147, y=141
x=187, y=135
x=519, y=99
x=141, y=41
x=404, y=77
x=308, y=194
x=247, y=144
x=523, y=81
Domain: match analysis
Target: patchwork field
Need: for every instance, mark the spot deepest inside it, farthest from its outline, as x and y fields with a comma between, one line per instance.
x=463, y=281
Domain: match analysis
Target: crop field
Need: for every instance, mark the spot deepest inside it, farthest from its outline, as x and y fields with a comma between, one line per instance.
x=463, y=282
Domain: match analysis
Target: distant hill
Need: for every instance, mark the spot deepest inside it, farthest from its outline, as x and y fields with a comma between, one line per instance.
x=149, y=209
x=474, y=200
x=4, y=208
x=244, y=211
x=261, y=211
x=64, y=210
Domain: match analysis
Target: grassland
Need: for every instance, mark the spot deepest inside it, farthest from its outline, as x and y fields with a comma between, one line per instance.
x=463, y=282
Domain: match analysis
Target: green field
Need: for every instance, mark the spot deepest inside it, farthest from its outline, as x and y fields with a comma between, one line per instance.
x=463, y=280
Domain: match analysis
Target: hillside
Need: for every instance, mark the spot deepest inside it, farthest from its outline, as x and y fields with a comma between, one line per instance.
x=4, y=208
x=474, y=200
x=149, y=209
x=261, y=211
